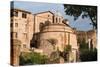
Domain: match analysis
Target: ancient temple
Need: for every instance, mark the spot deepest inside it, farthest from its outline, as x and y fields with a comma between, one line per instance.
x=36, y=31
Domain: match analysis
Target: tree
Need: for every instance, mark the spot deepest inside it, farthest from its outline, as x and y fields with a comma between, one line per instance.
x=67, y=49
x=83, y=11
x=88, y=55
x=83, y=45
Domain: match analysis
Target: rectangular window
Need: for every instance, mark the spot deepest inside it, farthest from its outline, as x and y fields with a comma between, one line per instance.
x=11, y=24
x=15, y=34
x=11, y=34
x=11, y=19
x=14, y=13
x=16, y=24
x=24, y=15
x=11, y=14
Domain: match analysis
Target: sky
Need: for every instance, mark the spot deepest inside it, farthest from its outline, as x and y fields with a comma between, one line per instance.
x=36, y=7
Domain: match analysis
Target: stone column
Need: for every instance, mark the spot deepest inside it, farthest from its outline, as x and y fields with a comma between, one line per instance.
x=89, y=40
x=15, y=52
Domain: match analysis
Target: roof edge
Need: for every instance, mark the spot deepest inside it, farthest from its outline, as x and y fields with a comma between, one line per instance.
x=43, y=12
x=22, y=10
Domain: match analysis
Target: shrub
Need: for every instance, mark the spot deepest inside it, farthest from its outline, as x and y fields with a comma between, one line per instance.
x=88, y=55
x=32, y=58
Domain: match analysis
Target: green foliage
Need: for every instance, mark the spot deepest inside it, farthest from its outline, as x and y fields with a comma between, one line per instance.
x=54, y=57
x=83, y=11
x=88, y=55
x=67, y=48
x=32, y=58
x=83, y=45
x=65, y=55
